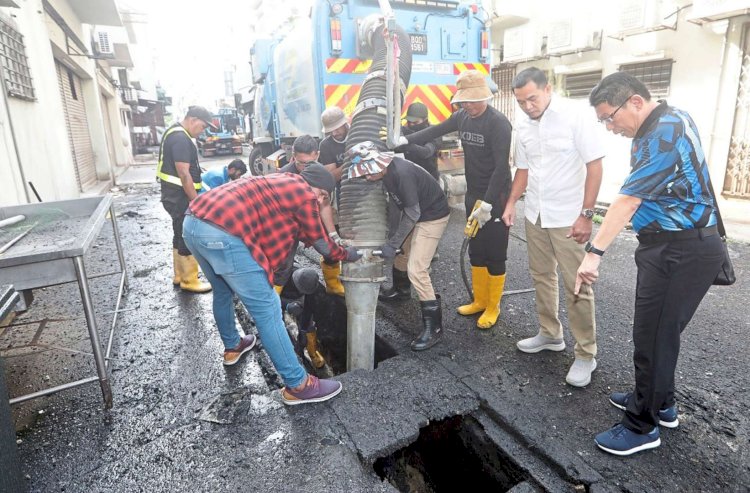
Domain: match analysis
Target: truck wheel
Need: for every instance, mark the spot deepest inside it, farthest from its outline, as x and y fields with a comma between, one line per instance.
x=255, y=165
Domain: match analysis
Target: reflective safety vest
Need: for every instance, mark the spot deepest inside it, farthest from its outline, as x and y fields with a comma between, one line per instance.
x=174, y=180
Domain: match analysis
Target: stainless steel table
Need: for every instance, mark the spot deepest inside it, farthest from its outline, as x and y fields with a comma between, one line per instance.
x=10, y=465
x=53, y=253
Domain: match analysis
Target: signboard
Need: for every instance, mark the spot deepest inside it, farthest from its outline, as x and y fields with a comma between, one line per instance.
x=418, y=43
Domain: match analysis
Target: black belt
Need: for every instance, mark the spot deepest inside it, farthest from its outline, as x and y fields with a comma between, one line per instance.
x=685, y=234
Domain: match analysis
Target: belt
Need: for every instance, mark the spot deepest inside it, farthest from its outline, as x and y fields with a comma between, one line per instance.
x=685, y=234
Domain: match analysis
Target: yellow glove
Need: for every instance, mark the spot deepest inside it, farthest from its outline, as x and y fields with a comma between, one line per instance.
x=277, y=288
x=402, y=141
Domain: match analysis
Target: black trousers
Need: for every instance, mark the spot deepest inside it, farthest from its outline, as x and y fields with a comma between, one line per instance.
x=489, y=248
x=176, y=211
x=672, y=279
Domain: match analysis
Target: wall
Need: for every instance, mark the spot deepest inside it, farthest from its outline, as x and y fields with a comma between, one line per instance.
x=697, y=77
x=39, y=125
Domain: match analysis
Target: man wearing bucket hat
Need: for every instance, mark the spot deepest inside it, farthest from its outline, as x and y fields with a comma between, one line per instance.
x=420, y=215
x=422, y=155
x=485, y=136
x=336, y=128
x=242, y=231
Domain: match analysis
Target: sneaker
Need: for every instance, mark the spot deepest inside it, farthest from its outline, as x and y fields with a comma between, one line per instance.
x=667, y=417
x=540, y=343
x=619, y=440
x=232, y=356
x=315, y=390
x=579, y=374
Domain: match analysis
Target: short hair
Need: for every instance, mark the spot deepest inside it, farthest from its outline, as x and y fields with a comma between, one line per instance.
x=239, y=165
x=528, y=75
x=306, y=144
x=616, y=88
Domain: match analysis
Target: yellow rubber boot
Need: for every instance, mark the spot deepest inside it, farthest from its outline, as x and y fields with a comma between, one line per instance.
x=176, y=264
x=316, y=358
x=331, y=277
x=189, y=272
x=489, y=317
x=479, y=276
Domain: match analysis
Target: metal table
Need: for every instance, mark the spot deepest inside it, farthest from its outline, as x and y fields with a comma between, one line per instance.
x=10, y=465
x=54, y=254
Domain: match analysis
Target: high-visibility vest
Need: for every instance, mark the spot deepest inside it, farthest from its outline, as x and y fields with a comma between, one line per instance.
x=174, y=180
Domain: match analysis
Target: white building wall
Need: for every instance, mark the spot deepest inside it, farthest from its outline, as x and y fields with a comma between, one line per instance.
x=39, y=125
x=705, y=74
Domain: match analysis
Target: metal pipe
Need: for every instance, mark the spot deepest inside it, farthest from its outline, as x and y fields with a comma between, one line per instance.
x=361, y=281
x=53, y=390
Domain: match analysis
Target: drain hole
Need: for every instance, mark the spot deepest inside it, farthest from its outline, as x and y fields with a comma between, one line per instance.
x=448, y=456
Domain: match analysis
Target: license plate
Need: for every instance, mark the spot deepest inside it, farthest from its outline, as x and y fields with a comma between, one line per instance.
x=418, y=43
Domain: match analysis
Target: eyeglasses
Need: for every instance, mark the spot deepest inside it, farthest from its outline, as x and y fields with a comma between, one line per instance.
x=611, y=117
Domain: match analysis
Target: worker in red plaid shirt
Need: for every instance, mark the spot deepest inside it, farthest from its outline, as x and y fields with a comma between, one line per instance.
x=240, y=233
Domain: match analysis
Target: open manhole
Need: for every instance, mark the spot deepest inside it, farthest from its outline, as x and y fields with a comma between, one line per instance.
x=329, y=312
x=454, y=454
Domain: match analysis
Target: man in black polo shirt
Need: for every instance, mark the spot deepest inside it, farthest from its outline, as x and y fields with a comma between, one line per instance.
x=180, y=177
x=419, y=215
x=422, y=155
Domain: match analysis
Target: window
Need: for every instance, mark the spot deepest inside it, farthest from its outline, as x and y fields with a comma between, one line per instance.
x=656, y=75
x=580, y=85
x=72, y=82
x=15, y=67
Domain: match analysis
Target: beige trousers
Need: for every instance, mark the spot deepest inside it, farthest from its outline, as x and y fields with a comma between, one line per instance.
x=549, y=249
x=418, y=250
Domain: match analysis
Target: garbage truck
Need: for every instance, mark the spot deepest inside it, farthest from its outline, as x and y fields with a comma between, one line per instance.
x=312, y=63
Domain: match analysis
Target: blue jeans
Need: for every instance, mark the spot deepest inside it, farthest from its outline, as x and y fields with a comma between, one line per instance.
x=230, y=268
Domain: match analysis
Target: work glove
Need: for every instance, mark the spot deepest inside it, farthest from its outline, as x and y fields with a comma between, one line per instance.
x=482, y=214
x=294, y=308
x=352, y=254
x=334, y=236
x=387, y=251
x=384, y=137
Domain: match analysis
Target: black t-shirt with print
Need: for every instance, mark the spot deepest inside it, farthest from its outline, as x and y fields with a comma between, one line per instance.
x=408, y=184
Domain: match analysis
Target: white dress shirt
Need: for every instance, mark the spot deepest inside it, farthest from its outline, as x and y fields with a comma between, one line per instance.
x=555, y=150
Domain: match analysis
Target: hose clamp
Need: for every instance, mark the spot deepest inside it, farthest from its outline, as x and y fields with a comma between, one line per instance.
x=367, y=104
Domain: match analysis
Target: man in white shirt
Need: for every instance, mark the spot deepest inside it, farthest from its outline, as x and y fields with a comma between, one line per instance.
x=558, y=154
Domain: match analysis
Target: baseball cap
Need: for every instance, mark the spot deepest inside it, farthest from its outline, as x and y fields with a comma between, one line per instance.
x=202, y=114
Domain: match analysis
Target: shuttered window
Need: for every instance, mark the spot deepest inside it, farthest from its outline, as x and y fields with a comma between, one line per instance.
x=14, y=63
x=580, y=85
x=656, y=74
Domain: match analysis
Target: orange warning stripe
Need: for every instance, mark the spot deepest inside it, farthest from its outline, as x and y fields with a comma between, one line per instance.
x=437, y=98
x=461, y=67
x=347, y=66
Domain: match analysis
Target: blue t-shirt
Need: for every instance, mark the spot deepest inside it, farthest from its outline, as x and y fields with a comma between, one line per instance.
x=214, y=178
x=669, y=173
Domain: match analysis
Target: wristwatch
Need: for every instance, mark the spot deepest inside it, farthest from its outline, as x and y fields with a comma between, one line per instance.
x=592, y=249
x=588, y=213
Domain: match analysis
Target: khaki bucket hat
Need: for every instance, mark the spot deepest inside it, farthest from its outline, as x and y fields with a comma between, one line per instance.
x=471, y=86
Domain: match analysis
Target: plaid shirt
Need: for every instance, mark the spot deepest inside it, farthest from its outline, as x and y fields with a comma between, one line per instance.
x=268, y=213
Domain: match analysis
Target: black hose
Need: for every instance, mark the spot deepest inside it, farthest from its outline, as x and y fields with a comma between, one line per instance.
x=362, y=204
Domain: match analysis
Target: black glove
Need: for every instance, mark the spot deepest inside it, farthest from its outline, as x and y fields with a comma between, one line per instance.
x=294, y=308
x=352, y=254
x=388, y=251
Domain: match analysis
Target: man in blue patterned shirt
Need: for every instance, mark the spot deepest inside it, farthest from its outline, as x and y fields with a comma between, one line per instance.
x=667, y=198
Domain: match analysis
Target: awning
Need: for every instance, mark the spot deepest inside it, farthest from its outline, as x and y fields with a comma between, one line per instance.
x=96, y=12
x=8, y=3
x=122, y=56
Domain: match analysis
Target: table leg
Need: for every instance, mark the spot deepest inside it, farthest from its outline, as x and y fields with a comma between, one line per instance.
x=88, y=309
x=116, y=232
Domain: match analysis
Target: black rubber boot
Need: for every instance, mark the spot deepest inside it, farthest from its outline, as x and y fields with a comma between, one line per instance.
x=401, y=289
x=432, y=319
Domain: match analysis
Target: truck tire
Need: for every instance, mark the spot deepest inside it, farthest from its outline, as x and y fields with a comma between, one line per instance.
x=253, y=162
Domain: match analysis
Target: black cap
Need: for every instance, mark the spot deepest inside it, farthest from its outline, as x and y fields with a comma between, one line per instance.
x=416, y=111
x=306, y=280
x=202, y=114
x=318, y=177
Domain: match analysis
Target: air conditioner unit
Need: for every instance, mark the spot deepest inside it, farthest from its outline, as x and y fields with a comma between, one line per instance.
x=102, y=45
x=641, y=16
x=716, y=10
x=572, y=36
x=522, y=43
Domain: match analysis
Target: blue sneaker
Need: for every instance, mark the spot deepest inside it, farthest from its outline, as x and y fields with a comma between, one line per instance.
x=667, y=417
x=619, y=440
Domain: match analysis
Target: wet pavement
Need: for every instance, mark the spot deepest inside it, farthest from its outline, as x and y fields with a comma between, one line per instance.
x=183, y=422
